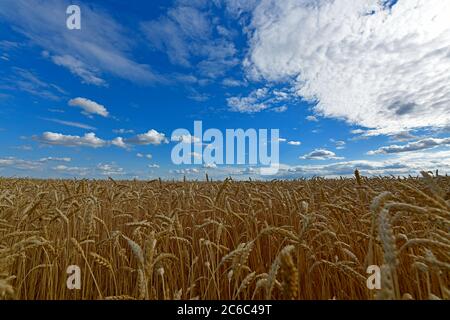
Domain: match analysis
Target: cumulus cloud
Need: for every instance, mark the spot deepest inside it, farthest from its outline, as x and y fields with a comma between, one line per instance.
x=344, y=168
x=357, y=131
x=150, y=137
x=91, y=140
x=320, y=154
x=411, y=164
x=110, y=169
x=362, y=61
x=422, y=144
x=259, y=100
x=339, y=144
x=119, y=142
x=311, y=118
x=88, y=140
x=249, y=104
x=402, y=164
x=153, y=166
x=89, y=107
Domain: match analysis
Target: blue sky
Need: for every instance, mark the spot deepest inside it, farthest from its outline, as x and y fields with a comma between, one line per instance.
x=348, y=84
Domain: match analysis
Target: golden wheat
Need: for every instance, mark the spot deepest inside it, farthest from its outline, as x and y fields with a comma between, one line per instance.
x=303, y=239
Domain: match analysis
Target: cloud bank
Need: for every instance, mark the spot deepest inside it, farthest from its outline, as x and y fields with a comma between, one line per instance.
x=380, y=65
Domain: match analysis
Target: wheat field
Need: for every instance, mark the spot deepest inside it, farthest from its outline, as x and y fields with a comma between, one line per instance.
x=303, y=239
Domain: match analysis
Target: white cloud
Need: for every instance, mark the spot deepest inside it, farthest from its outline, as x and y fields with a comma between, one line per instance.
x=78, y=68
x=153, y=166
x=88, y=140
x=141, y=155
x=123, y=131
x=422, y=144
x=110, y=169
x=101, y=46
x=320, y=154
x=280, y=109
x=89, y=106
x=249, y=104
x=186, y=35
x=65, y=159
x=401, y=164
x=403, y=136
x=294, y=143
x=357, y=131
x=30, y=165
x=339, y=144
x=78, y=171
x=185, y=171
x=261, y=99
x=150, y=137
x=119, y=142
x=186, y=139
x=372, y=65
x=411, y=164
x=20, y=163
x=230, y=82
x=70, y=123
x=91, y=140
x=29, y=82
x=311, y=118
x=346, y=168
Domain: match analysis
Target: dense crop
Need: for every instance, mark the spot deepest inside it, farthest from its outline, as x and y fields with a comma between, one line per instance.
x=304, y=239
